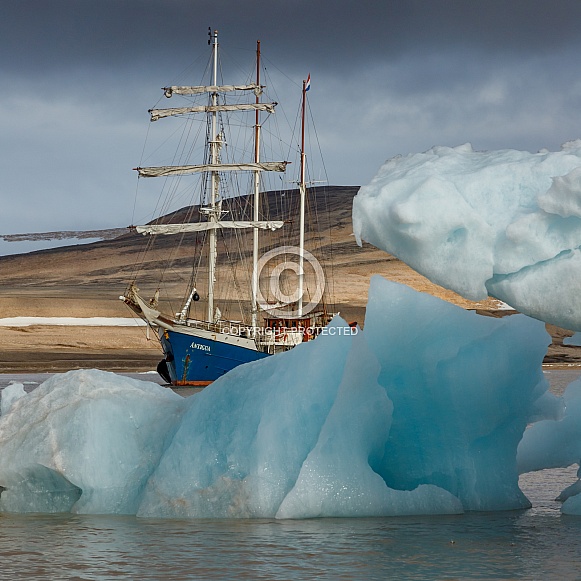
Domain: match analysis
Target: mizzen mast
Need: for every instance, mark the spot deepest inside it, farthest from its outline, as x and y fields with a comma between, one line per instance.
x=303, y=193
x=254, y=290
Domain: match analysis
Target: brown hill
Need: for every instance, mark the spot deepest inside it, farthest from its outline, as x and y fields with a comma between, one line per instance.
x=86, y=281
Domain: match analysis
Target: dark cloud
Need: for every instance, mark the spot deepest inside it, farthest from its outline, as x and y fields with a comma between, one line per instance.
x=43, y=34
x=389, y=77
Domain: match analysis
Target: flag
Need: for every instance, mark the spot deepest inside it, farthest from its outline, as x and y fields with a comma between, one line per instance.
x=308, y=83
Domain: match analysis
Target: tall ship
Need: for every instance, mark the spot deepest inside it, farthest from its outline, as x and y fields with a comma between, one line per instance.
x=252, y=287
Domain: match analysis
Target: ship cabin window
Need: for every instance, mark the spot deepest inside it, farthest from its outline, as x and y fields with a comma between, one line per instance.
x=285, y=324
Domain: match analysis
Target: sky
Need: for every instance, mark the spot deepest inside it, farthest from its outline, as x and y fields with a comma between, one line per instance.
x=389, y=77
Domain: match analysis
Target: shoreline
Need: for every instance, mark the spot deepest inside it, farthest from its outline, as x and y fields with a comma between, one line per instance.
x=55, y=349
x=45, y=349
x=84, y=281
x=37, y=348
x=561, y=366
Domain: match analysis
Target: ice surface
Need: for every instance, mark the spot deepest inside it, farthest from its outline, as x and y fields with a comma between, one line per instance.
x=572, y=505
x=571, y=497
x=281, y=438
x=405, y=417
x=463, y=387
x=338, y=478
x=243, y=440
x=557, y=443
x=500, y=223
x=9, y=395
x=84, y=442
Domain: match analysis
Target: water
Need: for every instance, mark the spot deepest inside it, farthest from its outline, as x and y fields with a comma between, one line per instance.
x=539, y=543
x=514, y=545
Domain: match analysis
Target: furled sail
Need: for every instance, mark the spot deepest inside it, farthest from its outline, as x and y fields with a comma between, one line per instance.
x=160, y=113
x=178, y=170
x=201, y=226
x=169, y=91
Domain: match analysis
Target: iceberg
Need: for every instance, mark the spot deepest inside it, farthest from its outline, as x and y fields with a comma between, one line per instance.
x=84, y=442
x=463, y=388
x=505, y=224
x=403, y=417
x=281, y=438
x=557, y=442
x=10, y=395
x=406, y=416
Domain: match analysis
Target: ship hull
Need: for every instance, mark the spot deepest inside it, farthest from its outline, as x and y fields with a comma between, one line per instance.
x=198, y=360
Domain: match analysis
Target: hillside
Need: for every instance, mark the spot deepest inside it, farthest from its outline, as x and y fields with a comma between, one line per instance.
x=86, y=281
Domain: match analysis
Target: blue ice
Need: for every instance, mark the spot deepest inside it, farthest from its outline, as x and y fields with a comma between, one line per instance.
x=86, y=441
x=404, y=417
x=505, y=224
x=556, y=442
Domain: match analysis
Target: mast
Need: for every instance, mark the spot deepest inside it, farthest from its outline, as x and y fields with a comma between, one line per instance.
x=254, y=302
x=302, y=191
x=213, y=183
x=213, y=168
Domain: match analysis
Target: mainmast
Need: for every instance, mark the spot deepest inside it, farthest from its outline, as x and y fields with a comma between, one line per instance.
x=303, y=192
x=213, y=209
x=254, y=301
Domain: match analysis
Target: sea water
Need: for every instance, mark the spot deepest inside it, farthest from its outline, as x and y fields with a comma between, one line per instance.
x=538, y=543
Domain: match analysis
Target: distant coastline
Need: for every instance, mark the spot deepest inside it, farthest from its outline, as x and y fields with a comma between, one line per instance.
x=106, y=234
x=11, y=244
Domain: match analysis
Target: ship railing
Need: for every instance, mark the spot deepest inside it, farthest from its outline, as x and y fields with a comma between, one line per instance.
x=222, y=326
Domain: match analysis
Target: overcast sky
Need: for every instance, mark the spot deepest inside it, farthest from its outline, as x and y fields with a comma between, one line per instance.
x=389, y=77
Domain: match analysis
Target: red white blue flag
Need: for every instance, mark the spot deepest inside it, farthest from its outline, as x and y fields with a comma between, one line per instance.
x=308, y=83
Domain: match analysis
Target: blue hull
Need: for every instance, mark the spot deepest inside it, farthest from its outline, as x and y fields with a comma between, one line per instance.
x=198, y=361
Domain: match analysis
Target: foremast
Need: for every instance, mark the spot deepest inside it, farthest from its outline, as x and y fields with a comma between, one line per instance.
x=213, y=211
